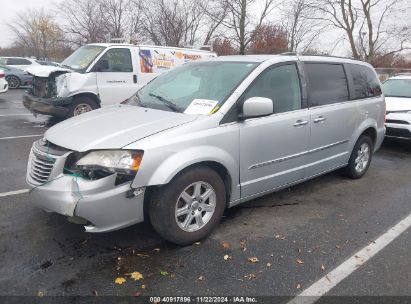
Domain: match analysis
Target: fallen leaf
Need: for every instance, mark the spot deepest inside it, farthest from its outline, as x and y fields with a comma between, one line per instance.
x=137, y=294
x=163, y=273
x=299, y=261
x=94, y=292
x=298, y=286
x=120, y=280
x=322, y=267
x=200, y=278
x=337, y=246
x=226, y=245
x=143, y=255
x=253, y=260
x=280, y=237
x=227, y=257
x=268, y=264
x=197, y=243
x=242, y=243
x=156, y=249
x=271, y=255
x=136, y=275
x=40, y=294
x=328, y=278
x=299, y=250
x=143, y=286
x=250, y=276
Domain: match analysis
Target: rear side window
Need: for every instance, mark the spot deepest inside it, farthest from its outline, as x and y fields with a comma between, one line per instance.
x=327, y=83
x=18, y=61
x=365, y=82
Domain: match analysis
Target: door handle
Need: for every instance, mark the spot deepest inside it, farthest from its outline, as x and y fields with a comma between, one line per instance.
x=135, y=78
x=319, y=119
x=300, y=123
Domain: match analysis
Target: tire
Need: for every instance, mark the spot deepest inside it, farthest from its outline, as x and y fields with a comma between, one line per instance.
x=81, y=105
x=168, y=199
x=13, y=81
x=360, y=158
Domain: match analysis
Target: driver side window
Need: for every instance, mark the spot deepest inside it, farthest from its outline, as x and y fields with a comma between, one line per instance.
x=115, y=60
x=282, y=85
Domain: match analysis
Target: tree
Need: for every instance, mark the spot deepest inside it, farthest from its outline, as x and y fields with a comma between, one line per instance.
x=372, y=27
x=37, y=32
x=301, y=29
x=269, y=39
x=84, y=21
x=242, y=21
x=223, y=47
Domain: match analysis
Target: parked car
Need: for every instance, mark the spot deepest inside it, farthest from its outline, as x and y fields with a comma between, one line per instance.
x=397, y=91
x=206, y=136
x=18, y=62
x=101, y=74
x=16, y=77
x=3, y=82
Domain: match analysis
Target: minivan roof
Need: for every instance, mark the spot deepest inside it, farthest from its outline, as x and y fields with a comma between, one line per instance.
x=289, y=56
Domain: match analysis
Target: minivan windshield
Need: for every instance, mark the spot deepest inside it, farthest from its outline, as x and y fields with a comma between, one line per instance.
x=193, y=88
x=397, y=88
x=81, y=59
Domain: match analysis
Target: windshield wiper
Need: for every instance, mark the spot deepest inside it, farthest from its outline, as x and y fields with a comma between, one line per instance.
x=171, y=105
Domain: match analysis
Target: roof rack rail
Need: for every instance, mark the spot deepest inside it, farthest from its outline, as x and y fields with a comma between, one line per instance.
x=318, y=55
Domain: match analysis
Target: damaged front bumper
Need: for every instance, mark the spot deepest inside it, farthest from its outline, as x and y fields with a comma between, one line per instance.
x=101, y=204
x=47, y=106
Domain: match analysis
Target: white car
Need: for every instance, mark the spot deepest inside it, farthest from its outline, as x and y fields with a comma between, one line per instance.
x=21, y=63
x=4, y=86
x=397, y=91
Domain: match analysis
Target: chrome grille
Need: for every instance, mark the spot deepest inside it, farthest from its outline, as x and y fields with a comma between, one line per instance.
x=41, y=166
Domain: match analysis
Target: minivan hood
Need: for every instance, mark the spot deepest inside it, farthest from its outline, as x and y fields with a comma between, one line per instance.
x=395, y=104
x=113, y=127
x=45, y=70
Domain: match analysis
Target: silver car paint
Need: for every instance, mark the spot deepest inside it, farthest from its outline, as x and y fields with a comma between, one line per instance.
x=261, y=155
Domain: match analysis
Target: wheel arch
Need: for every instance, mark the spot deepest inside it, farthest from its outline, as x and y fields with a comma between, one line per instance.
x=89, y=95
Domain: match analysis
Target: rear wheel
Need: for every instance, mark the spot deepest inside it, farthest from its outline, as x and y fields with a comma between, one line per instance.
x=360, y=159
x=13, y=81
x=81, y=105
x=189, y=207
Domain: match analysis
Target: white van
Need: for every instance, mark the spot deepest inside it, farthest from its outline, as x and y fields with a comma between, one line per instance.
x=100, y=74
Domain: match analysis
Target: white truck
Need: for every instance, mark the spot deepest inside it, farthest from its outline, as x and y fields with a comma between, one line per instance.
x=100, y=74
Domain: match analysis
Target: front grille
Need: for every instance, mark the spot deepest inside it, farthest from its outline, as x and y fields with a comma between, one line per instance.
x=394, y=132
x=39, y=87
x=41, y=166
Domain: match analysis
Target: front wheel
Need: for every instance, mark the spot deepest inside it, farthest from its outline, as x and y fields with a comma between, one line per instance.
x=189, y=207
x=360, y=159
x=81, y=105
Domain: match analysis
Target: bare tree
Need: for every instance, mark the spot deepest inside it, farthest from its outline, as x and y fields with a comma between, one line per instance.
x=174, y=23
x=84, y=21
x=372, y=27
x=37, y=32
x=301, y=29
x=242, y=21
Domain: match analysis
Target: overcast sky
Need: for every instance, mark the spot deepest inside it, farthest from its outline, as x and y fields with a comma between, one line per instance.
x=8, y=13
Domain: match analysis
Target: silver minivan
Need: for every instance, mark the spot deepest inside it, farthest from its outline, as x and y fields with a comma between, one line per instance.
x=207, y=136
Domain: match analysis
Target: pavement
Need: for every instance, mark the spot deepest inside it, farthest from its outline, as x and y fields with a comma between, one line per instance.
x=298, y=235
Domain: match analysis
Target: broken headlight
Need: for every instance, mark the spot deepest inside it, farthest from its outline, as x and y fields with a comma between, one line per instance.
x=123, y=162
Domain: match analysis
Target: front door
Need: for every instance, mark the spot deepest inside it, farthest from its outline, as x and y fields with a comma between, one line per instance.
x=116, y=80
x=273, y=149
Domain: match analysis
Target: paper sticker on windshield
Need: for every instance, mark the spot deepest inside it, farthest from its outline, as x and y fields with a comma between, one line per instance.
x=201, y=106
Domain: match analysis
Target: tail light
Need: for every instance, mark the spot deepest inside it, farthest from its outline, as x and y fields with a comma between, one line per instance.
x=2, y=75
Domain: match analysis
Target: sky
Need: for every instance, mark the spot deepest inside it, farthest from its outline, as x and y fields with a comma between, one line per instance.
x=9, y=9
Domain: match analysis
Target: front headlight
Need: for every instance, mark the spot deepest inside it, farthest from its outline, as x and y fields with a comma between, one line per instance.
x=124, y=161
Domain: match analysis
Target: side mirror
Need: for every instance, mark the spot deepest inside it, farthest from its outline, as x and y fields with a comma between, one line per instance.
x=256, y=107
x=101, y=65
